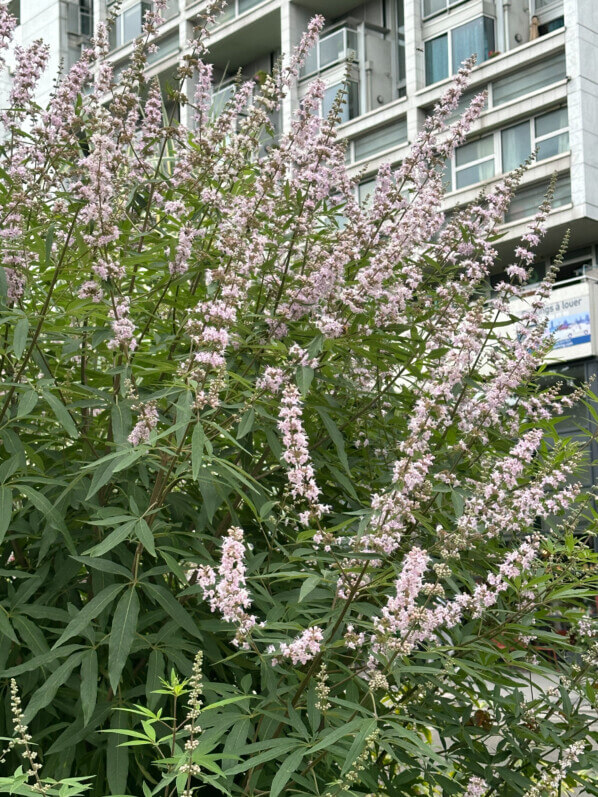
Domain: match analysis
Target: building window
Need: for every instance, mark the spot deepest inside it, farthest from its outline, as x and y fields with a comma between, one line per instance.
x=350, y=107
x=515, y=145
x=524, y=81
x=236, y=7
x=548, y=132
x=85, y=17
x=332, y=48
x=475, y=37
x=474, y=162
x=128, y=24
x=430, y=7
x=552, y=133
x=402, y=87
x=436, y=54
x=554, y=24
x=527, y=200
x=365, y=192
x=379, y=140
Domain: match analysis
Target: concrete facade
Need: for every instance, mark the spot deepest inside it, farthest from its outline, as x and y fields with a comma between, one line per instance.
x=63, y=24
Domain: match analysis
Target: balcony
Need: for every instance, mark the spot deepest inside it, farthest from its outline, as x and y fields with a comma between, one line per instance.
x=333, y=48
x=129, y=22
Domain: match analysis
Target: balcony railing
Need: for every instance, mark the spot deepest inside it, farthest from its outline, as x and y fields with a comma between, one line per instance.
x=333, y=48
x=128, y=24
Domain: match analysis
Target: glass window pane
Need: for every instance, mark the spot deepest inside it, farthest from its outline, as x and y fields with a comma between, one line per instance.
x=131, y=23
x=381, y=139
x=432, y=6
x=352, y=40
x=549, y=122
x=365, y=192
x=311, y=62
x=436, y=54
x=482, y=148
x=352, y=106
x=465, y=102
x=554, y=24
x=245, y=5
x=553, y=146
x=476, y=37
x=516, y=146
x=524, y=81
x=350, y=109
x=220, y=98
x=475, y=174
x=332, y=48
x=527, y=200
x=227, y=14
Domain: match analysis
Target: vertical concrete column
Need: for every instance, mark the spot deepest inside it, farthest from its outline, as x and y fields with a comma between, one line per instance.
x=185, y=32
x=581, y=42
x=293, y=21
x=414, y=59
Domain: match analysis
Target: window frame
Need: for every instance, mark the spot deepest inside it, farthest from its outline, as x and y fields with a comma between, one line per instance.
x=448, y=4
x=455, y=170
x=377, y=153
x=340, y=84
x=232, y=11
x=452, y=69
x=536, y=140
x=119, y=22
x=497, y=154
x=346, y=50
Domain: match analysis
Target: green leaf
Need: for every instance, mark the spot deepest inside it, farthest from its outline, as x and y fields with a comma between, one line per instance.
x=305, y=376
x=122, y=634
x=62, y=414
x=286, y=769
x=336, y=437
x=5, y=510
x=277, y=748
x=39, y=662
x=171, y=606
x=333, y=736
x=89, y=684
x=144, y=534
x=117, y=757
x=358, y=743
x=197, y=446
x=19, y=340
x=112, y=540
x=89, y=613
x=5, y=626
x=121, y=419
x=49, y=242
x=27, y=402
x=46, y=693
x=101, y=476
x=308, y=585
x=246, y=423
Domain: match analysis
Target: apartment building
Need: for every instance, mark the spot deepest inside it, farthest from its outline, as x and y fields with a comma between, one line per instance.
x=63, y=24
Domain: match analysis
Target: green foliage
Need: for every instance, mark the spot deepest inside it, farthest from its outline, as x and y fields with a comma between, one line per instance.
x=102, y=605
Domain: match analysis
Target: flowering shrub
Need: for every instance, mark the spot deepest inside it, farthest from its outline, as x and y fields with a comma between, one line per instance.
x=283, y=509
